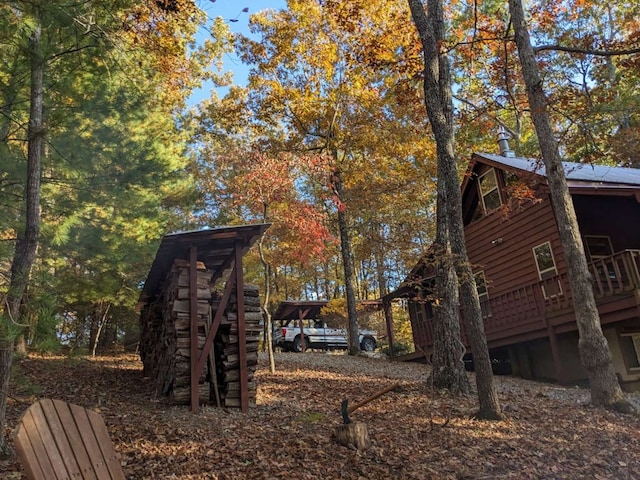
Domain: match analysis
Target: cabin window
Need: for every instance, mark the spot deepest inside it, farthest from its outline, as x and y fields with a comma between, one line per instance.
x=598, y=246
x=483, y=294
x=544, y=261
x=489, y=190
x=630, y=346
x=547, y=271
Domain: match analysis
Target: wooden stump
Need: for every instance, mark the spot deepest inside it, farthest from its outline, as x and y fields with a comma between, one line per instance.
x=353, y=435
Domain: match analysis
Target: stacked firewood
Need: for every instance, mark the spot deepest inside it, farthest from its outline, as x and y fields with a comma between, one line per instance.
x=165, y=343
x=228, y=347
x=165, y=334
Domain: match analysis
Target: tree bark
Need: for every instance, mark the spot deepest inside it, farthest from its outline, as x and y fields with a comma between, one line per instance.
x=27, y=243
x=439, y=103
x=347, y=263
x=594, y=350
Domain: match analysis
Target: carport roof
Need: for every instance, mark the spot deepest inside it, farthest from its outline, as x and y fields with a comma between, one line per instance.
x=295, y=309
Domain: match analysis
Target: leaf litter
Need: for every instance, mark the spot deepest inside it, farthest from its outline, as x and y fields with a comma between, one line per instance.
x=550, y=432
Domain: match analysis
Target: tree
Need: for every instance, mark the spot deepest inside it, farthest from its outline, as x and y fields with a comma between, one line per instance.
x=313, y=90
x=100, y=118
x=438, y=100
x=594, y=350
x=259, y=187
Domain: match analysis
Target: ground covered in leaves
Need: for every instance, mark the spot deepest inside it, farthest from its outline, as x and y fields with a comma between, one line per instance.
x=417, y=433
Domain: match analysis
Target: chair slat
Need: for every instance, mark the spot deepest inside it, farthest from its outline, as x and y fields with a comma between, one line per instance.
x=56, y=440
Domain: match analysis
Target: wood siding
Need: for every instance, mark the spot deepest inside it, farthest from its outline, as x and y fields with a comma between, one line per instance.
x=501, y=245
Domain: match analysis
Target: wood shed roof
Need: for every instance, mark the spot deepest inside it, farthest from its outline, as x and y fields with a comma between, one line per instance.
x=215, y=248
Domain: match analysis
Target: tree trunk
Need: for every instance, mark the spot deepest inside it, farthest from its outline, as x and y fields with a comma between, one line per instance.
x=27, y=243
x=347, y=263
x=101, y=323
x=447, y=365
x=267, y=294
x=6, y=357
x=438, y=100
x=594, y=350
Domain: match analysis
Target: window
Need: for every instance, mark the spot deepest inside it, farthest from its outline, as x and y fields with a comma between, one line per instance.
x=598, y=246
x=544, y=261
x=630, y=346
x=547, y=271
x=489, y=190
x=483, y=294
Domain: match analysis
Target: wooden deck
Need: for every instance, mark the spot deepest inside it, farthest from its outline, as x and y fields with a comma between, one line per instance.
x=526, y=313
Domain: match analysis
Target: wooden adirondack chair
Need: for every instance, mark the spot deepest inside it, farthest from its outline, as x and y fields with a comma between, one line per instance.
x=59, y=440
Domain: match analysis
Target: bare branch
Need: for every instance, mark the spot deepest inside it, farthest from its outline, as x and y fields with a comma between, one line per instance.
x=586, y=51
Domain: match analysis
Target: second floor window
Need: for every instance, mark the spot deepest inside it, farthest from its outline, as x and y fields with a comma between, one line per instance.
x=547, y=270
x=489, y=190
x=544, y=261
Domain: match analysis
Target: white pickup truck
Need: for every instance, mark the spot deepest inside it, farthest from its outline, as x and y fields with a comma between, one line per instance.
x=318, y=334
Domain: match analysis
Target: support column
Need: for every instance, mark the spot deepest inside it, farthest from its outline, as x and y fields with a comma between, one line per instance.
x=388, y=316
x=193, y=316
x=242, y=331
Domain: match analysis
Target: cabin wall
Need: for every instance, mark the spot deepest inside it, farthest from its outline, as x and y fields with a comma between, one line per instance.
x=502, y=245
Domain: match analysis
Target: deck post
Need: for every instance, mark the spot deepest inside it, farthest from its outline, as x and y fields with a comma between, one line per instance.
x=553, y=338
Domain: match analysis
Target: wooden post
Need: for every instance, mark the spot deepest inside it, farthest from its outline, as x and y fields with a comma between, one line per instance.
x=302, y=314
x=242, y=331
x=222, y=306
x=553, y=338
x=193, y=316
x=388, y=316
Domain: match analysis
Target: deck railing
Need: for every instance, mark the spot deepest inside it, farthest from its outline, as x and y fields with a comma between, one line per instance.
x=619, y=273
x=527, y=307
x=529, y=304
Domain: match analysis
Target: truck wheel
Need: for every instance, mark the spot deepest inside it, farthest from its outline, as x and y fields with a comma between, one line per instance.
x=368, y=344
x=297, y=344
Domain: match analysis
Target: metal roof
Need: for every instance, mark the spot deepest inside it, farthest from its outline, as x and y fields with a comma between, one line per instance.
x=215, y=248
x=573, y=171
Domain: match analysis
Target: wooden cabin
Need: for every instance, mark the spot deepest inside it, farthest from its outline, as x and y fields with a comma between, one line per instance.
x=513, y=241
x=200, y=324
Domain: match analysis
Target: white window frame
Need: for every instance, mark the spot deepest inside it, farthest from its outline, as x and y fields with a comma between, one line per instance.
x=483, y=193
x=480, y=274
x=553, y=270
x=483, y=297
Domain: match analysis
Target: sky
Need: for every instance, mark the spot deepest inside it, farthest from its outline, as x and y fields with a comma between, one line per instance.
x=238, y=21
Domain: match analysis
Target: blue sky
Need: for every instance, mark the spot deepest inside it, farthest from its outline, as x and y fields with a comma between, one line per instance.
x=238, y=21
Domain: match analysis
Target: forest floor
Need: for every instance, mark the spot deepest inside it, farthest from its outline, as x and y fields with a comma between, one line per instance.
x=550, y=432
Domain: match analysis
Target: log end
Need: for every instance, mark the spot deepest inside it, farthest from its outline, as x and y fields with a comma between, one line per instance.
x=353, y=435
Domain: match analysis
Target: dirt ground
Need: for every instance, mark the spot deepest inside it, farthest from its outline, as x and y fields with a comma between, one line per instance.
x=550, y=432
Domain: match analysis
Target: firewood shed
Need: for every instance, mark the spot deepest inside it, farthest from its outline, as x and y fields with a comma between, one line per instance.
x=195, y=300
